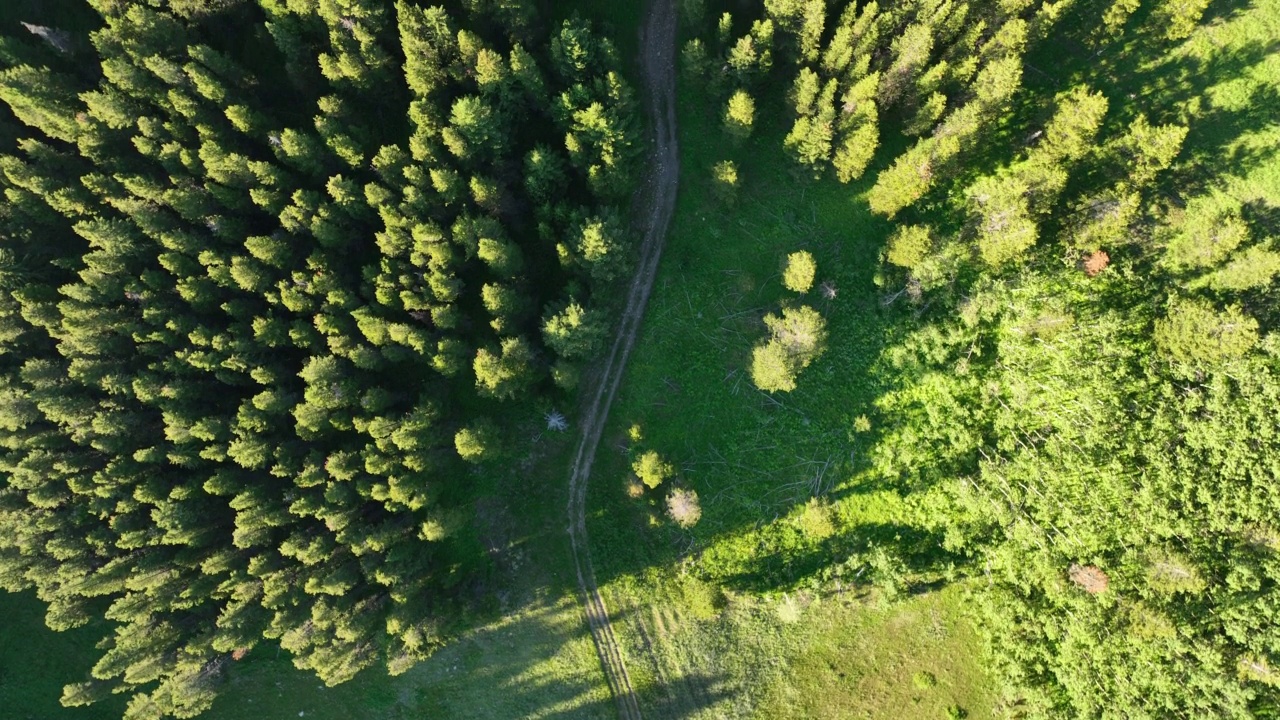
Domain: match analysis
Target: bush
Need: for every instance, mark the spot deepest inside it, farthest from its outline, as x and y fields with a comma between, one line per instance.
x=477, y=442
x=634, y=488
x=652, y=469
x=725, y=175
x=798, y=274
x=924, y=680
x=772, y=369
x=683, y=507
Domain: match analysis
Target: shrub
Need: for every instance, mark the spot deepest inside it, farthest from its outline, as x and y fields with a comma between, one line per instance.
x=798, y=274
x=908, y=246
x=634, y=487
x=924, y=680
x=476, y=443
x=725, y=175
x=772, y=369
x=1197, y=334
x=683, y=507
x=652, y=469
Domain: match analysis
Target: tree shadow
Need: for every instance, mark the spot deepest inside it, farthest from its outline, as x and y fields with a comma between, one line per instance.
x=528, y=665
x=1142, y=72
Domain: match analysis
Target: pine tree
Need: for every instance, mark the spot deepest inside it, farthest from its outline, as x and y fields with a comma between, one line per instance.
x=573, y=332
x=1003, y=221
x=505, y=373
x=739, y=116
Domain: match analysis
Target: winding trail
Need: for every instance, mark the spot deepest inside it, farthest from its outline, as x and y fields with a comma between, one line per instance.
x=655, y=205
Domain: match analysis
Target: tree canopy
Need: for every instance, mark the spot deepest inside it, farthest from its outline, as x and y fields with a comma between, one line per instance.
x=263, y=298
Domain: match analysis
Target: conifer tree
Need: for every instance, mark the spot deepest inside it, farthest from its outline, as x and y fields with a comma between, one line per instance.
x=244, y=281
x=739, y=116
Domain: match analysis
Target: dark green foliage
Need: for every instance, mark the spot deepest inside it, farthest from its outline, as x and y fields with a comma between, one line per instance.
x=242, y=314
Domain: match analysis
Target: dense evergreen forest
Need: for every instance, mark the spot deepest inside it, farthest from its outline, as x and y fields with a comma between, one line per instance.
x=270, y=270
x=275, y=271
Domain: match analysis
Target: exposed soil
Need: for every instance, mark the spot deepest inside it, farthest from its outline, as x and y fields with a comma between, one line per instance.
x=656, y=204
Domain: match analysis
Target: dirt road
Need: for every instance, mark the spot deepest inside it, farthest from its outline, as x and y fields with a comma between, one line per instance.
x=656, y=205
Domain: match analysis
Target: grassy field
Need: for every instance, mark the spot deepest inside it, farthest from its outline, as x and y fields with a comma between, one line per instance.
x=719, y=618
x=731, y=619
x=35, y=663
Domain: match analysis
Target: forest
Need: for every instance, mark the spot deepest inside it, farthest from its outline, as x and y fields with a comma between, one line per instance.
x=957, y=309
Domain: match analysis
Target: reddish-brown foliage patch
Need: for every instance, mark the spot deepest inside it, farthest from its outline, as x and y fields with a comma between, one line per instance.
x=1095, y=263
x=239, y=653
x=1090, y=578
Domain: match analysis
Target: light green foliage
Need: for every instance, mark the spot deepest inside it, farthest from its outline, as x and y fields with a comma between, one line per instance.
x=1206, y=237
x=804, y=91
x=1209, y=245
x=796, y=339
x=911, y=51
x=574, y=332
x=859, y=134
x=800, y=330
x=1104, y=219
x=504, y=303
x=811, y=136
x=906, y=181
x=1170, y=573
x=739, y=116
x=504, y=374
x=1069, y=135
x=500, y=254
x=772, y=368
x=1117, y=14
x=1179, y=17
x=1195, y=334
x=855, y=151
x=928, y=112
x=815, y=521
x=1004, y=225
x=724, y=175
x=1052, y=418
x=477, y=442
x=597, y=246
x=798, y=272
x=1255, y=267
x=908, y=246
x=652, y=469
x=1149, y=149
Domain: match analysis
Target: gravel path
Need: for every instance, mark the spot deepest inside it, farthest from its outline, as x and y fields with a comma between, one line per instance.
x=656, y=203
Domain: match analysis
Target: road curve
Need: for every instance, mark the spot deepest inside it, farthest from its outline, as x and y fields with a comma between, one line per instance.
x=655, y=206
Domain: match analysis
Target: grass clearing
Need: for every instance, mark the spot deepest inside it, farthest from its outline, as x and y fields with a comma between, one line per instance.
x=911, y=660
x=727, y=619
x=716, y=617
x=36, y=662
x=536, y=662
